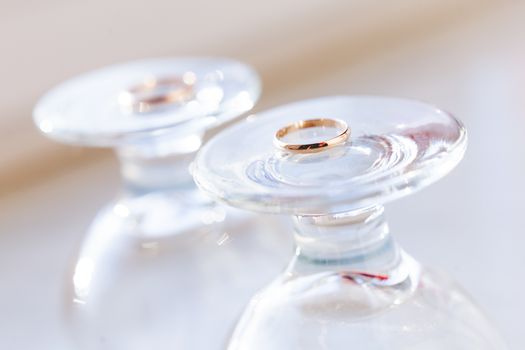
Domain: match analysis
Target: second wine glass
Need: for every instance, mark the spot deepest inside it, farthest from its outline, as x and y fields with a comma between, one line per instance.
x=162, y=266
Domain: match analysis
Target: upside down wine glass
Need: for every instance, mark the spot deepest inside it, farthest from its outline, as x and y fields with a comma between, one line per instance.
x=161, y=265
x=349, y=285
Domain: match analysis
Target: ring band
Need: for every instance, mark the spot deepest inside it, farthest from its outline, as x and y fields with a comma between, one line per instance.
x=150, y=94
x=312, y=147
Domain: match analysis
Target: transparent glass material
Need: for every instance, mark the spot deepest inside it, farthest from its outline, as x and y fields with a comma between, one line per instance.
x=154, y=96
x=162, y=265
x=349, y=284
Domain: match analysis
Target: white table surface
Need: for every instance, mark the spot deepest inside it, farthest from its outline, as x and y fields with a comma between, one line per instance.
x=469, y=223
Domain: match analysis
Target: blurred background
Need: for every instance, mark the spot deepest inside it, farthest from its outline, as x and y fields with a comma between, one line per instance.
x=466, y=56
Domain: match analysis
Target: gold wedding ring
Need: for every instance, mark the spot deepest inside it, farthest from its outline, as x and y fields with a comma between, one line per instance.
x=154, y=93
x=340, y=138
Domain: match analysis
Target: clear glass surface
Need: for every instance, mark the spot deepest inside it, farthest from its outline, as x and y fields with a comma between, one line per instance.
x=326, y=311
x=132, y=290
x=350, y=285
x=162, y=266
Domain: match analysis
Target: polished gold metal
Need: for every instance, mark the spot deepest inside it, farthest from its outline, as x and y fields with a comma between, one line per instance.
x=154, y=93
x=312, y=123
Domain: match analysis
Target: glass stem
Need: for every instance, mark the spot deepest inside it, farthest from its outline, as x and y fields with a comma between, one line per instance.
x=160, y=163
x=357, y=242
